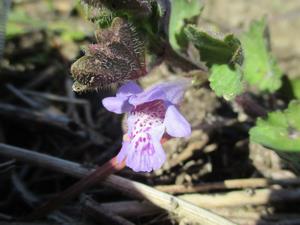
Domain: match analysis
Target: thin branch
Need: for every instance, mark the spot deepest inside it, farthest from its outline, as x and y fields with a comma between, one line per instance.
x=49, y=121
x=56, y=122
x=42, y=78
x=23, y=97
x=227, y=184
x=189, y=151
x=134, y=189
x=99, y=213
x=26, y=194
x=242, y=198
x=22, y=223
x=57, y=98
x=53, y=97
x=250, y=106
x=131, y=208
x=254, y=214
x=93, y=177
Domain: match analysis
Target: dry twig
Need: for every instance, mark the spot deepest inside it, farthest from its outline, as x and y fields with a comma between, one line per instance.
x=131, y=208
x=168, y=202
x=227, y=184
x=98, y=213
x=242, y=198
x=89, y=180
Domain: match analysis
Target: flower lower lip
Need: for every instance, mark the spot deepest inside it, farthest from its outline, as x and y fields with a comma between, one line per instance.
x=151, y=122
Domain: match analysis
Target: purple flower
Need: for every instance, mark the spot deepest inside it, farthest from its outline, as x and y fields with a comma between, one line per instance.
x=151, y=114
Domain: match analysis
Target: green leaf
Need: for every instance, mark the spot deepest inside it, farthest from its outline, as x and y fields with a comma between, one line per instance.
x=213, y=50
x=20, y=23
x=260, y=67
x=181, y=10
x=280, y=131
x=295, y=85
x=67, y=30
x=225, y=81
x=224, y=57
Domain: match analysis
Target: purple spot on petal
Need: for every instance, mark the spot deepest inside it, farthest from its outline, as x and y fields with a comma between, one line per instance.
x=136, y=145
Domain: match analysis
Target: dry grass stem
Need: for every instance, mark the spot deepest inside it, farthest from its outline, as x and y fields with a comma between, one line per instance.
x=176, y=206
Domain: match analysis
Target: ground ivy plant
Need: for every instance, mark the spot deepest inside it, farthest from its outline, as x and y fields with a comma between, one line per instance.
x=134, y=35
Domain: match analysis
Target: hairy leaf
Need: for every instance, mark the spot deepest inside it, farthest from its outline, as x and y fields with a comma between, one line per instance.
x=118, y=56
x=280, y=131
x=134, y=7
x=295, y=85
x=181, y=10
x=226, y=82
x=214, y=50
x=260, y=67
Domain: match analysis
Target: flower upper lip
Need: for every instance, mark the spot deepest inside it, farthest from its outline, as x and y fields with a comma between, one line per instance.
x=131, y=95
x=171, y=92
